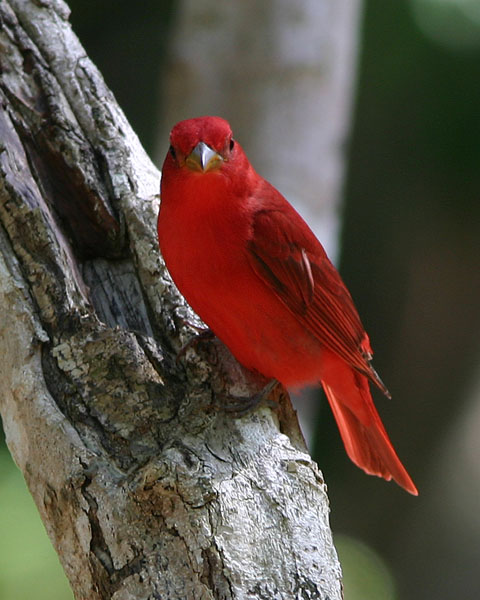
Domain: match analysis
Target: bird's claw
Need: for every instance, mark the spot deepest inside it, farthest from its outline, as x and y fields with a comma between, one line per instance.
x=239, y=406
x=203, y=335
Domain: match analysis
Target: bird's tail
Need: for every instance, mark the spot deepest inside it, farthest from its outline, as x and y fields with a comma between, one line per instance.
x=362, y=431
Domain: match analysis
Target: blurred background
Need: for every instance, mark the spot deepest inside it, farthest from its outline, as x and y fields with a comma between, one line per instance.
x=366, y=116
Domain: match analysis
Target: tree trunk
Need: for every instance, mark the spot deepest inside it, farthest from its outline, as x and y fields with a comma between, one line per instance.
x=146, y=486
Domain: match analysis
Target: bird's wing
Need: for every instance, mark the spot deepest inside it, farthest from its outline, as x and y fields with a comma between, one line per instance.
x=286, y=255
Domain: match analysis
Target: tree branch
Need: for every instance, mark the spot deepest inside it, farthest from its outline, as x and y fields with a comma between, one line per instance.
x=145, y=488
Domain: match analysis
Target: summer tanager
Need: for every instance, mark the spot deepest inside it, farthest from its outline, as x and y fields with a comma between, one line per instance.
x=250, y=266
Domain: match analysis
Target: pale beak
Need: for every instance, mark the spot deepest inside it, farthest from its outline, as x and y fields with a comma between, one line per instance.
x=203, y=158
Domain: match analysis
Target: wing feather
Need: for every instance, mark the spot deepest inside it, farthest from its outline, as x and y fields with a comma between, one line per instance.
x=286, y=255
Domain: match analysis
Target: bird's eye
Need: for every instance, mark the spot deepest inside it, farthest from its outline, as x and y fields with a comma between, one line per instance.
x=172, y=151
x=232, y=144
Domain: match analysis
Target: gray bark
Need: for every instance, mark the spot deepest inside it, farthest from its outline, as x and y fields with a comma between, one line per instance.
x=146, y=487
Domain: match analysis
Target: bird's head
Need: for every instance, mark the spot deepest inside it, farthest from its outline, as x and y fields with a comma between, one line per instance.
x=203, y=144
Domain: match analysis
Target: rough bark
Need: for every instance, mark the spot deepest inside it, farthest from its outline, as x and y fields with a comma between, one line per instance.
x=146, y=487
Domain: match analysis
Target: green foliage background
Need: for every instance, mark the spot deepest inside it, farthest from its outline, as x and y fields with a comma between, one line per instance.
x=29, y=566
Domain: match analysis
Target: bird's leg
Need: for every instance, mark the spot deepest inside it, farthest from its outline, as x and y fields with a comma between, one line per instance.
x=197, y=328
x=204, y=334
x=238, y=406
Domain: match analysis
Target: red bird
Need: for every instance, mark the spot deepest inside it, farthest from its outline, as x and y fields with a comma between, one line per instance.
x=253, y=270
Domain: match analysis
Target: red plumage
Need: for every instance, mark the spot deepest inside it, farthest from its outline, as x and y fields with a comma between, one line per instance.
x=250, y=266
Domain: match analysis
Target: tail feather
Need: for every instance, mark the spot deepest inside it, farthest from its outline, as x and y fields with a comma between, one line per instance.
x=362, y=431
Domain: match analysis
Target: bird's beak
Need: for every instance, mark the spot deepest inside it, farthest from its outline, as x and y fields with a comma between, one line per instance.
x=203, y=158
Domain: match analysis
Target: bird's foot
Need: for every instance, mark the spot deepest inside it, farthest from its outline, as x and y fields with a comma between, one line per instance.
x=204, y=334
x=239, y=406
